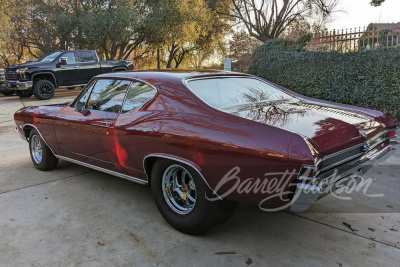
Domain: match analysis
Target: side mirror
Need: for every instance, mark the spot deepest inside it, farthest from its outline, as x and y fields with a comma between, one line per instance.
x=64, y=61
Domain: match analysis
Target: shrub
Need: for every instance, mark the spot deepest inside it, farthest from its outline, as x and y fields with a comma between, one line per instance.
x=368, y=79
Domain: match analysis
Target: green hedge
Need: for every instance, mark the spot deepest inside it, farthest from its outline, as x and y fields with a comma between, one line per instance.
x=368, y=79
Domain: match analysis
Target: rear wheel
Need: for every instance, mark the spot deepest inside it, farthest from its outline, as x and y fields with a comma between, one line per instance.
x=180, y=195
x=43, y=89
x=42, y=157
x=7, y=93
x=23, y=94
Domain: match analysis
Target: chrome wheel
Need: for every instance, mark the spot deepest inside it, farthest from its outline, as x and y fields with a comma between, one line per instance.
x=179, y=189
x=36, y=149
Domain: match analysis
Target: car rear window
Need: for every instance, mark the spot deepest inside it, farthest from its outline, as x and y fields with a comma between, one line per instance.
x=233, y=91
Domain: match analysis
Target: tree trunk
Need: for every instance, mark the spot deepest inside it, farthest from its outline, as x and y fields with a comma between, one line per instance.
x=158, y=59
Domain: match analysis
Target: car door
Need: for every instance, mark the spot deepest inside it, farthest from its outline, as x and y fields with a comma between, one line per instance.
x=66, y=74
x=85, y=129
x=132, y=128
x=89, y=66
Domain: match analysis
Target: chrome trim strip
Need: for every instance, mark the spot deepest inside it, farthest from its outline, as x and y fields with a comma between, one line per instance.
x=74, y=85
x=120, y=175
x=159, y=155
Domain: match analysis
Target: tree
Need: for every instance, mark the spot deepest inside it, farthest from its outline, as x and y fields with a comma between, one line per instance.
x=14, y=25
x=268, y=19
x=376, y=2
x=174, y=26
x=113, y=28
x=241, y=49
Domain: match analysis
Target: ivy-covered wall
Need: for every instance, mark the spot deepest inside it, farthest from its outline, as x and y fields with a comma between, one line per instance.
x=368, y=79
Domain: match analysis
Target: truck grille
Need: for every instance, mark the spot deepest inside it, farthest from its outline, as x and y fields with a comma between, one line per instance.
x=11, y=75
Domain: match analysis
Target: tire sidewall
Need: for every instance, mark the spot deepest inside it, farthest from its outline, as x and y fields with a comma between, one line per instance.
x=197, y=219
x=36, y=89
x=42, y=164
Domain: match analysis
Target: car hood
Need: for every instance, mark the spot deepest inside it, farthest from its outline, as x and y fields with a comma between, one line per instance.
x=29, y=65
x=329, y=129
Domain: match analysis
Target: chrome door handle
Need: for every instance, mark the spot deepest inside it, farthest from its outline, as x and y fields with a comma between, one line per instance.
x=107, y=123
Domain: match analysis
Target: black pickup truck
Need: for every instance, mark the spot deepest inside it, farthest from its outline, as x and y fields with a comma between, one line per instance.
x=68, y=69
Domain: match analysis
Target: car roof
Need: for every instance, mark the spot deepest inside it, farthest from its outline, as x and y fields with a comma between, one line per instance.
x=169, y=74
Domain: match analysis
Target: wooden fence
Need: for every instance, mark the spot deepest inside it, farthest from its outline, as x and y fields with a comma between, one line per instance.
x=372, y=37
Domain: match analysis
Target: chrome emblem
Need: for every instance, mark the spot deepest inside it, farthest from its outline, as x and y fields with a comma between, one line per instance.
x=363, y=134
x=365, y=148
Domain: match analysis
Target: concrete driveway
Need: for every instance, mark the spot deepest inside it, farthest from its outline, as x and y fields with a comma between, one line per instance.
x=76, y=216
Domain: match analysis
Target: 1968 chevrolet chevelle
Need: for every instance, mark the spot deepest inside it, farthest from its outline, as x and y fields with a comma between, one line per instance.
x=204, y=141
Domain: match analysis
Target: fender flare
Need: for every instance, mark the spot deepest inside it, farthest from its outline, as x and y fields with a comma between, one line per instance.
x=52, y=74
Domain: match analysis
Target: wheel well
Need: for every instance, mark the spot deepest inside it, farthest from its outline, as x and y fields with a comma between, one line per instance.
x=148, y=166
x=48, y=77
x=27, y=131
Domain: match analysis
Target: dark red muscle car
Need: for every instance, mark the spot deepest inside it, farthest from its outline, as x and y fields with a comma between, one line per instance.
x=206, y=140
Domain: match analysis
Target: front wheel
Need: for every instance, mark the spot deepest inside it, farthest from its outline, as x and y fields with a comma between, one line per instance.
x=23, y=94
x=43, y=89
x=180, y=195
x=42, y=157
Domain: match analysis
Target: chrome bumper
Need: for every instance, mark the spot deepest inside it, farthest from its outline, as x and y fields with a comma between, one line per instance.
x=17, y=85
x=21, y=135
x=306, y=194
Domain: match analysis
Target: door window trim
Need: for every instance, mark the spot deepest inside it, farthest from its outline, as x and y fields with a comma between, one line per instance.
x=94, y=80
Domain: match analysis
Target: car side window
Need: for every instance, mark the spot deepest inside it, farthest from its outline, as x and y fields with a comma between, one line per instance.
x=81, y=101
x=108, y=95
x=138, y=94
x=84, y=57
x=70, y=57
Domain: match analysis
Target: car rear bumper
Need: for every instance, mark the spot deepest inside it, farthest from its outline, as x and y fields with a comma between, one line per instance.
x=18, y=85
x=307, y=194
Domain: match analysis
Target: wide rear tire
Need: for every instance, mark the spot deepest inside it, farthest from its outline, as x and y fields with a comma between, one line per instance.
x=180, y=195
x=42, y=157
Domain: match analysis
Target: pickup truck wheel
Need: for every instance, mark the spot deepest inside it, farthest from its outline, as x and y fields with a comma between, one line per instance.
x=42, y=157
x=23, y=94
x=180, y=195
x=7, y=93
x=43, y=89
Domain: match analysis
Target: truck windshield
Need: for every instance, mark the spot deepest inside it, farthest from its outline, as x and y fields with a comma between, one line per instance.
x=49, y=58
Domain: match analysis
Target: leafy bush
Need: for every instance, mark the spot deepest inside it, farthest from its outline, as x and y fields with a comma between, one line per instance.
x=368, y=79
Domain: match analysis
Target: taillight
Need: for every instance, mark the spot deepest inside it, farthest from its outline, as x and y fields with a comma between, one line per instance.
x=134, y=64
x=391, y=134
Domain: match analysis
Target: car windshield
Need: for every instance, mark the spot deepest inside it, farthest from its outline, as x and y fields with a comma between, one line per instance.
x=49, y=58
x=227, y=92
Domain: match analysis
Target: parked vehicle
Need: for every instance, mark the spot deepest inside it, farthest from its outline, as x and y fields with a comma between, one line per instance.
x=200, y=139
x=3, y=88
x=68, y=69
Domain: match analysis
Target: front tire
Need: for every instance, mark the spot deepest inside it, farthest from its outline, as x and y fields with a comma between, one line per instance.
x=180, y=195
x=43, y=89
x=23, y=94
x=42, y=157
